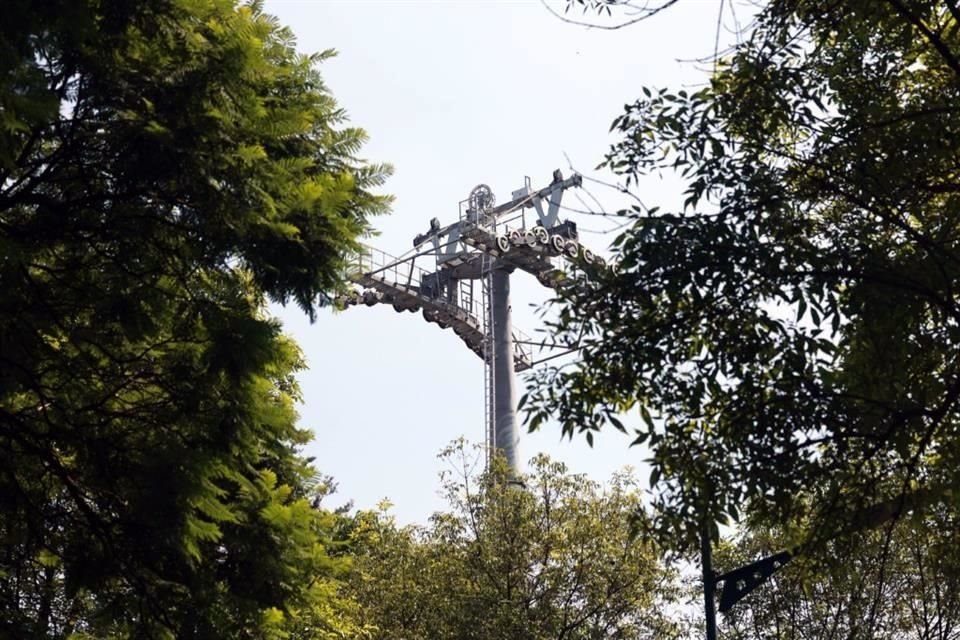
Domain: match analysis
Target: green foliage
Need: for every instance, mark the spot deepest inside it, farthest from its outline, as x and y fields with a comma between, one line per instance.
x=898, y=582
x=793, y=326
x=165, y=168
x=551, y=558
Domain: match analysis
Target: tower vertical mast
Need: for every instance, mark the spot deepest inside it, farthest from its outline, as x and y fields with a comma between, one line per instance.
x=506, y=437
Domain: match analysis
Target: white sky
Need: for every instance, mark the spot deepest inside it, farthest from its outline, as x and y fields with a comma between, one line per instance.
x=454, y=94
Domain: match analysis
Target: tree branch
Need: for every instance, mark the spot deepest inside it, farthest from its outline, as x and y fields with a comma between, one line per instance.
x=931, y=37
x=649, y=13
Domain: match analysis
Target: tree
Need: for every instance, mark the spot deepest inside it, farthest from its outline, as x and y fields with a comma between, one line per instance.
x=900, y=582
x=165, y=168
x=792, y=327
x=552, y=559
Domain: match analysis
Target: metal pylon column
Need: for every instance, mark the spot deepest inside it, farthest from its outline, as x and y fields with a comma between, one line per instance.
x=506, y=437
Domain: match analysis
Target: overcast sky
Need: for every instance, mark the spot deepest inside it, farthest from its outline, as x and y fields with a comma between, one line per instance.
x=453, y=94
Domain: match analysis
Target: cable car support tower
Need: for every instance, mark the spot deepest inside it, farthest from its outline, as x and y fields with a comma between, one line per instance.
x=465, y=285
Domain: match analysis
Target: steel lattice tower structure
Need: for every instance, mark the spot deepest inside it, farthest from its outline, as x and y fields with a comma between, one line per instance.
x=466, y=284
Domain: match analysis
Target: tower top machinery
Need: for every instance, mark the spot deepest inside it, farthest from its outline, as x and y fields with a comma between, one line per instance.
x=458, y=276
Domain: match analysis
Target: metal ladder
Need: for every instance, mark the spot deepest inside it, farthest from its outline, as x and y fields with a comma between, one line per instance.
x=486, y=312
x=466, y=300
